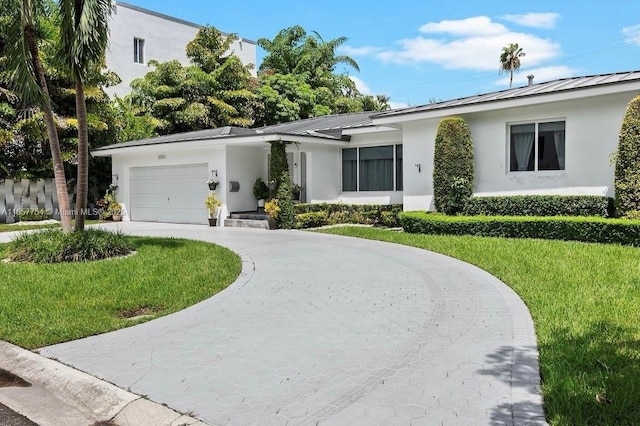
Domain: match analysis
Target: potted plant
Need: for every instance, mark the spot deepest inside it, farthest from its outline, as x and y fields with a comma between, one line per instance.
x=260, y=191
x=213, y=184
x=116, y=211
x=272, y=208
x=212, y=204
x=296, y=190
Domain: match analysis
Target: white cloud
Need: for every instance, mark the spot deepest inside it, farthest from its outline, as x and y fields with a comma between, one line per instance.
x=471, y=44
x=476, y=26
x=632, y=34
x=540, y=75
x=358, y=51
x=361, y=85
x=535, y=20
x=397, y=105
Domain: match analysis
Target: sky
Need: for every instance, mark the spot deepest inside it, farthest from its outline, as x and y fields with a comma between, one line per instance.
x=418, y=52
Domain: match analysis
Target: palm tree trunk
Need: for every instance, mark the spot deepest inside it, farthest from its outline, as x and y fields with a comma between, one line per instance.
x=83, y=155
x=52, y=132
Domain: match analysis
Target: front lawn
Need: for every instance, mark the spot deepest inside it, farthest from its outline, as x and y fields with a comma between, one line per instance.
x=4, y=227
x=585, y=302
x=44, y=304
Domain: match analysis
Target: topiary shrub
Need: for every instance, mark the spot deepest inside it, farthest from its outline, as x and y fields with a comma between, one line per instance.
x=33, y=215
x=278, y=166
x=287, y=216
x=452, y=166
x=627, y=173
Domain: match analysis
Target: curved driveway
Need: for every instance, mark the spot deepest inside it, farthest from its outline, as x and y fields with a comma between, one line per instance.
x=321, y=329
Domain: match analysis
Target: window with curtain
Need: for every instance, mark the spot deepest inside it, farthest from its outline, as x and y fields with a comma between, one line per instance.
x=537, y=146
x=350, y=169
x=377, y=168
x=398, y=167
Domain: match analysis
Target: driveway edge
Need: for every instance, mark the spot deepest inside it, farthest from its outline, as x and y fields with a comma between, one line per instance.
x=89, y=397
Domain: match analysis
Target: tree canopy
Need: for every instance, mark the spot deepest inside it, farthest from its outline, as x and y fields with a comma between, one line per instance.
x=298, y=79
x=215, y=91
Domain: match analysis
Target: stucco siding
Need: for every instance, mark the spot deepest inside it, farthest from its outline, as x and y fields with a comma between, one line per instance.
x=243, y=165
x=164, y=40
x=167, y=156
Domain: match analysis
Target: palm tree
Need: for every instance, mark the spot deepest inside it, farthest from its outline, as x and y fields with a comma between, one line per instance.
x=83, y=41
x=510, y=60
x=28, y=79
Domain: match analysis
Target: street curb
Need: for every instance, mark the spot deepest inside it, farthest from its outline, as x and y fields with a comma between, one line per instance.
x=89, y=395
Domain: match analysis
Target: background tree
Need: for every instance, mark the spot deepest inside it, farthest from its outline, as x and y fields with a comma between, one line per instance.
x=510, y=60
x=627, y=173
x=301, y=66
x=453, y=175
x=217, y=90
x=83, y=40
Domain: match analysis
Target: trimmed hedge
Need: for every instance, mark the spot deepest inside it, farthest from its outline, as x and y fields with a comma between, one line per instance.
x=311, y=215
x=33, y=215
x=586, y=229
x=540, y=205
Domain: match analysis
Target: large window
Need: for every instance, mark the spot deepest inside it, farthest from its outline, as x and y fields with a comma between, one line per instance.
x=377, y=168
x=138, y=50
x=537, y=146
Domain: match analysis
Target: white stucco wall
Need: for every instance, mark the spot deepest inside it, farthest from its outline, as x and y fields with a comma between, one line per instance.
x=167, y=155
x=165, y=39
x=592, y=127
x=418, y=142
x=244, y=165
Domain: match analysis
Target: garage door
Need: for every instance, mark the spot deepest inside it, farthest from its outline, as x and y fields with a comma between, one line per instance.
x=169, y=194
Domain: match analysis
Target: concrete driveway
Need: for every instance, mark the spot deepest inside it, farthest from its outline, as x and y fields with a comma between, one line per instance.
x=321, y=329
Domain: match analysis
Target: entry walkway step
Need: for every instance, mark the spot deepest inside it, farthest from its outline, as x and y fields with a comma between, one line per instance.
x=247, y=223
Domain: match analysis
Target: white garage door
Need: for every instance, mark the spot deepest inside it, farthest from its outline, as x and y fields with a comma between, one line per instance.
x=169, y=194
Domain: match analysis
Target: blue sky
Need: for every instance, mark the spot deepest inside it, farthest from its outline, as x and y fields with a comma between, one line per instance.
x=417, y=51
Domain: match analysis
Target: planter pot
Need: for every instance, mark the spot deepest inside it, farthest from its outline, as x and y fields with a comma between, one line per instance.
x=213, y=222
x=261, y=202
x=116, y=218
x=272, y=223
x=213, y=186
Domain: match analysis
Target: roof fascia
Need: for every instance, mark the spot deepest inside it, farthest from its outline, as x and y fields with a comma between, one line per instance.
x=226, y=140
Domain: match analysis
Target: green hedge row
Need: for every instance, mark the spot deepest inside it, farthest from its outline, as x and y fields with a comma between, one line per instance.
x=540, y=205
x=311, y=215
x=586, y=229
x=32, y=215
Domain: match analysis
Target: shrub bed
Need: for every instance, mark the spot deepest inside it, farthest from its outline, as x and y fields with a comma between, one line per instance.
x=54, y=246
x=34, y=215
x=311, y=215
x=540, y=205
x=586, y=229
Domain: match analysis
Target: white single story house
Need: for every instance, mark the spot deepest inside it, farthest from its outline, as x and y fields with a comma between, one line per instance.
x=555, y=137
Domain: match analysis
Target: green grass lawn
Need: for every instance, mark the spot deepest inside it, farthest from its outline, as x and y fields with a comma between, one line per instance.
x=4, y=227
x=13, y=228
x=585, y=302
x=43, y=304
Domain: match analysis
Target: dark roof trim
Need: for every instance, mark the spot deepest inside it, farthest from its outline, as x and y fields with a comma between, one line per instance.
x=172, y=18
